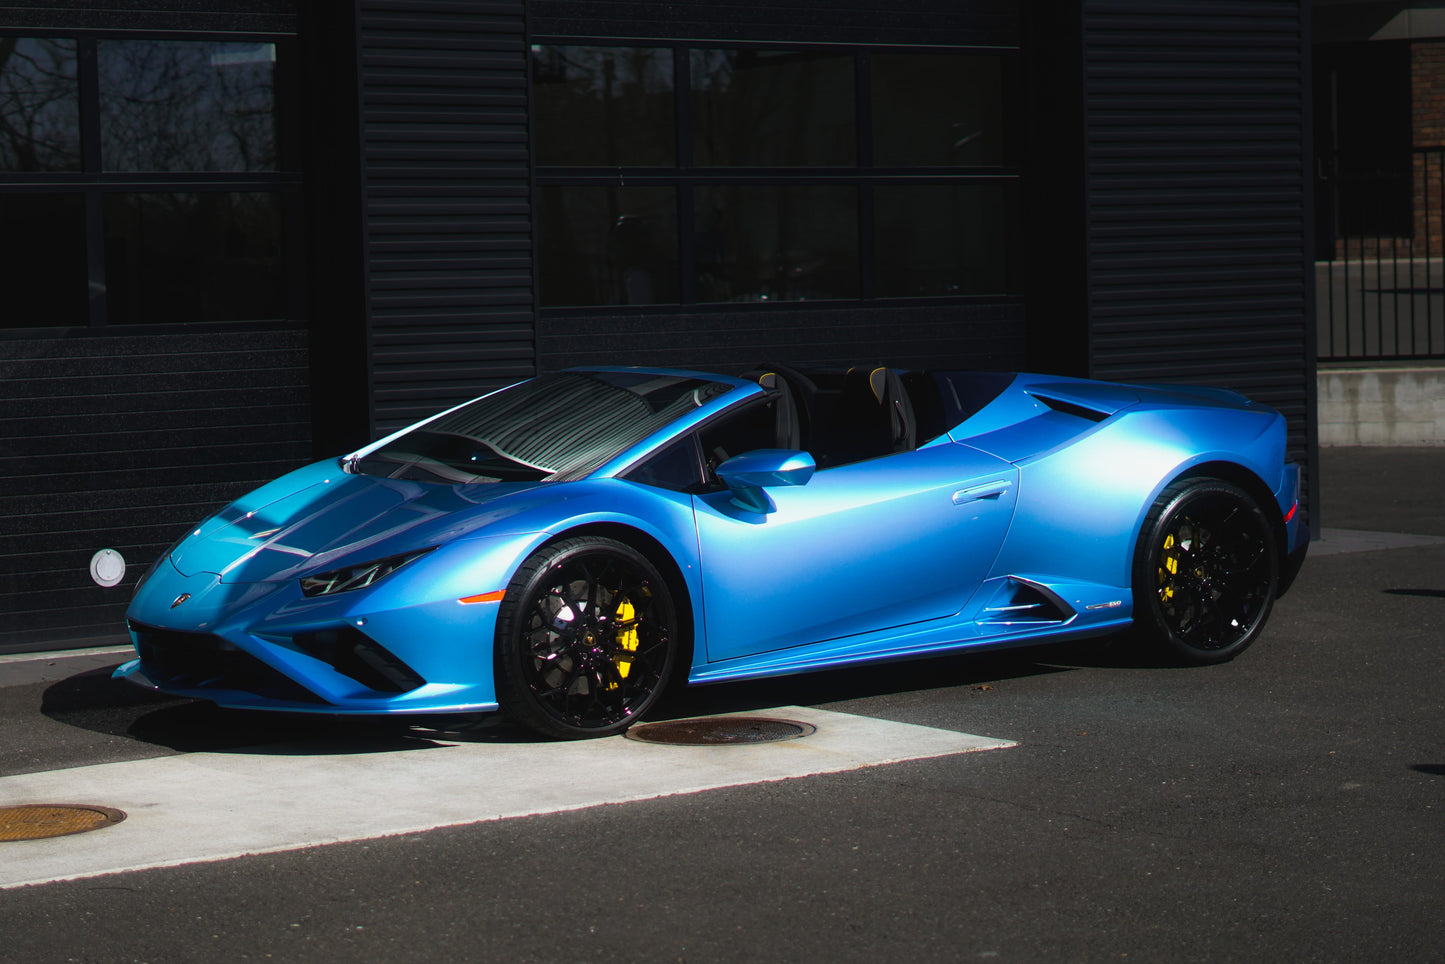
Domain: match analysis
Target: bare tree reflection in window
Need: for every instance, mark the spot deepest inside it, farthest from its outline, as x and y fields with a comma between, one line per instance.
x=39, y=105
x=783, y=108
x=603, y=105
x=173, y=106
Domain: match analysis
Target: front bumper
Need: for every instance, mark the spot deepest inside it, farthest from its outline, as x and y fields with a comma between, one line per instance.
x=265, y=646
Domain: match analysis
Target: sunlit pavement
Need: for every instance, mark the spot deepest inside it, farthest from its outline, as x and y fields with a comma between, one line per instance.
x=208, y=806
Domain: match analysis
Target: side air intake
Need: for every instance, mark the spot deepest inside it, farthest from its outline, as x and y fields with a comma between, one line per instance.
x=1022, y=601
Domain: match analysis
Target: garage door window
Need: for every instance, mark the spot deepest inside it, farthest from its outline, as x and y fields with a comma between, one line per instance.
x=711, y=175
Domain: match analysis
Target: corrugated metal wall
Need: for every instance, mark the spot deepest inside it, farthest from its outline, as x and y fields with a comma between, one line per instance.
x=1198, y=201
x=448, y=235
x=120, y=441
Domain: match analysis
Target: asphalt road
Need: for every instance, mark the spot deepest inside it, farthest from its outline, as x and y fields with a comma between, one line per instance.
x=1289, y=805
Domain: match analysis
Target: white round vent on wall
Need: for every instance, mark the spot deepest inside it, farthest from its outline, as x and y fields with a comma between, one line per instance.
x=107, y=568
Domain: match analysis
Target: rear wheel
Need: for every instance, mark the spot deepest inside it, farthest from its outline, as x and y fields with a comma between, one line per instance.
x=586, y=639
x=1205, y=571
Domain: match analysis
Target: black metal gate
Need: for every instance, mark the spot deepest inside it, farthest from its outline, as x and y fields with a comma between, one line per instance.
x=1380, y=273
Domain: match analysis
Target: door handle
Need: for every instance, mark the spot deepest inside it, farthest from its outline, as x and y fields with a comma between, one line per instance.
x=988, y=490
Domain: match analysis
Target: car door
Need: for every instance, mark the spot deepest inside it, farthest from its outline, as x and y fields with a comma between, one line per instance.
x=858, y=548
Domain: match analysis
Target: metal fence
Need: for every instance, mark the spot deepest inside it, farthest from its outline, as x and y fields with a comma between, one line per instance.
x=1380, y=273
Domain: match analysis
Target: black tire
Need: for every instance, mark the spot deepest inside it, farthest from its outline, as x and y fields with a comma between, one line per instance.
x=1206, y=571
x=586, y=639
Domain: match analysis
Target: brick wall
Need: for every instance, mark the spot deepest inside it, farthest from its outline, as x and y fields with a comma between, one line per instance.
x=1427, y=108
x=1427, y=92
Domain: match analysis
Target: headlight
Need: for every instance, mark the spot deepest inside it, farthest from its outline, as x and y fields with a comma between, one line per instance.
x=356, y=577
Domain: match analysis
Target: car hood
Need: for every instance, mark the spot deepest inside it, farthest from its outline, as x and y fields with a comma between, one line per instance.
x=302, y=523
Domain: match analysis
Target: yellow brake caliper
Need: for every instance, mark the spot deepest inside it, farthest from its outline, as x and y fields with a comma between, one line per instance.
x=1168, y=569
x=627, y=641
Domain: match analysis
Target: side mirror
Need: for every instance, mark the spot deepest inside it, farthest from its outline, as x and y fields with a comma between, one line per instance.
x=748, y=474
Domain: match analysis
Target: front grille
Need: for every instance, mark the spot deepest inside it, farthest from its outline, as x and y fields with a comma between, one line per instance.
x=201, y=661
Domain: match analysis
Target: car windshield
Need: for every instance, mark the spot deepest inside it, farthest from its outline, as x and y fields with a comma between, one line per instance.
x=557, y=425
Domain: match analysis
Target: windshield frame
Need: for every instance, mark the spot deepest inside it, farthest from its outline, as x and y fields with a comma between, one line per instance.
x=564, y=446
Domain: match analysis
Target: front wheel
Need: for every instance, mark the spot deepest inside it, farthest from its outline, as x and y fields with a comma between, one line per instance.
x=1205, y=571
x=586, y=639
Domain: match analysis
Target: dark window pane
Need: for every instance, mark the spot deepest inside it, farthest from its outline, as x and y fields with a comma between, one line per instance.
x=42, y=260
x=936, y=110
x=941, y=239
x=776, y=243
x=170, y=106
x=39, y=105
x=607, y=246
x=769, y=108
x=603, y=106
x=194, y=257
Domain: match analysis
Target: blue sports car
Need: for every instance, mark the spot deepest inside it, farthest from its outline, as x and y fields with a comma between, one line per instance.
x=563, y=549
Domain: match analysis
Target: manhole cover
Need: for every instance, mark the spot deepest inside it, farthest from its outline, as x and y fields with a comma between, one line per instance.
x=37, y=821
x=720, y=731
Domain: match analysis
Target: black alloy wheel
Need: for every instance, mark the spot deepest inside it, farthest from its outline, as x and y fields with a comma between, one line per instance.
x=586, y=639
x=1206, y=571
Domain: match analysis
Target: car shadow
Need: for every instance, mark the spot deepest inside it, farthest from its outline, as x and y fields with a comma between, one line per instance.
x=94, y=701
x=1119, y=651
x=857, y=682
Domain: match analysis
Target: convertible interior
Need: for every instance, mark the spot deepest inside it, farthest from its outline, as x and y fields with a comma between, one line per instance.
x=840, y=416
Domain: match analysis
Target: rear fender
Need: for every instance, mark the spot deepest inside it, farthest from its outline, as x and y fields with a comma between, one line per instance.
x=1081, y=506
